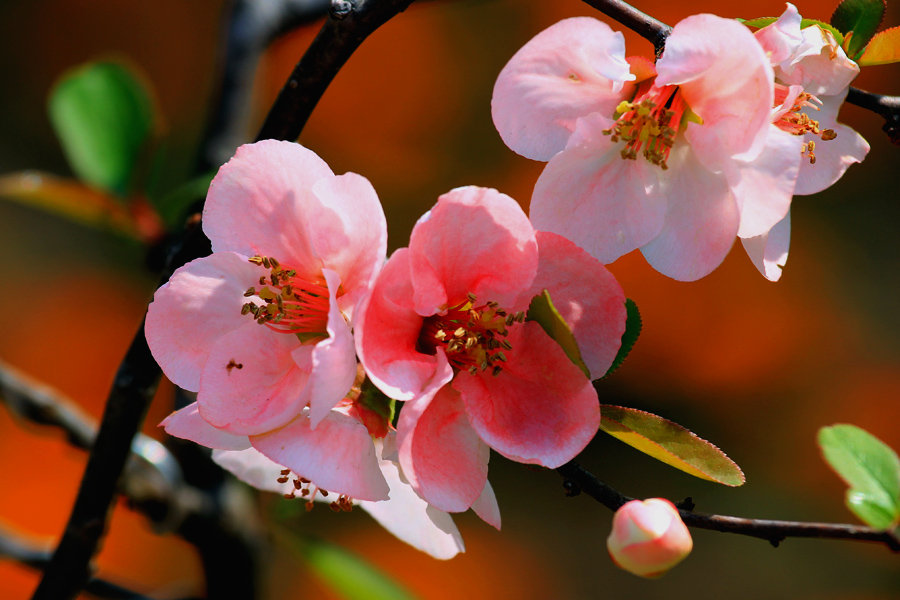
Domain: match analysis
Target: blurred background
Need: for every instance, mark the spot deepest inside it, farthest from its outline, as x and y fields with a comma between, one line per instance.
x=755, y=367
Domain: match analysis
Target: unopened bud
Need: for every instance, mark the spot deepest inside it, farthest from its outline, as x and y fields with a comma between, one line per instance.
x=648, y=537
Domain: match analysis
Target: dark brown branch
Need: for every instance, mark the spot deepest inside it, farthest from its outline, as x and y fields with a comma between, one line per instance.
x=886, y=106
x=644, y=25
x=578, y=479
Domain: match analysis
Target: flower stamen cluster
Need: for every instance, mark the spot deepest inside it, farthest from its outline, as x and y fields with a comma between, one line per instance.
x=796, y=122
x=651, y=121
x=308, y=491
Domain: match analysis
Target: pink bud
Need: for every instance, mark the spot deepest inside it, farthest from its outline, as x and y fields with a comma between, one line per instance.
x=648, y=537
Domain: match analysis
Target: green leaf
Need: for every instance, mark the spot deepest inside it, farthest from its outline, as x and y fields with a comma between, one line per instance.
x=347, y=574
x=670, y=443
x=871, y=469
x=633, y=326
x=862, y=17
x=761, y=22
x=883, y=49
x=102, y=116
x=173, y=205
x=542, y=311
x=758, y=22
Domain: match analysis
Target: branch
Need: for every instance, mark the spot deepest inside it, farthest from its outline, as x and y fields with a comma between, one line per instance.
x=886, y=106
x=641, y=23
x=577, y=479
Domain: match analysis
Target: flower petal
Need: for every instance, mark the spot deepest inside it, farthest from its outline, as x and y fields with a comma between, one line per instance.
x=486, y=506
x=475, y=240
x=819, y=64
x=333, y=359
x=587, y=296
x=571, y=69
x=253, y=468
x=781, y=39
x=187, y=424
x=539, y=409
x=200, y=303
x=769, y=252
x=589, y=194
x=337, y=456
x=440, y=454
x=251, y=383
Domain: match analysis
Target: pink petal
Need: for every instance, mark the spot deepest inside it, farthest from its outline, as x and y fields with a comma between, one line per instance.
x=726, y=79
x=486, y=506
x=253, y=468
x=586, y=295
x=833, y=157
x=261, y=202
x=199, y=304
x=781, y=39
x=265, y=392
x=475, y=240
x=571, y=69
x=187, y=424
x=387, y=332
x=769, y=252
x=819, y=65
x=589, y=194
x=440, y=454
x=349, y=234
x=337, y=456
x=701, y=223
x=540, y=409
x=333, y=359
x=763, y=187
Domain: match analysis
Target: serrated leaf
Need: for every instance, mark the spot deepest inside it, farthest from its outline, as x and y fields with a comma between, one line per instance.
x=347, y=574
x=670, y=443
x=633, y=326
x=871, y=469
x=862, y=17
x=542, y=311
x=883, y=49
x=102, y=116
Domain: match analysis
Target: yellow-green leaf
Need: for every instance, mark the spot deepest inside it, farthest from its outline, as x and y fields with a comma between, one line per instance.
x=545, y=314
x=670, y=443
x=883, y=49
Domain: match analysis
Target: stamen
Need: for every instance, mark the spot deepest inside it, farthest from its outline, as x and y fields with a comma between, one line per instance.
x=797, y=122
x=648, y=125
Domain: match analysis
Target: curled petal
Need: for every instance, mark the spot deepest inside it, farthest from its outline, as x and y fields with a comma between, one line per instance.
x=485, y=506
x=782, y=39
x=187, y=424
x=819, y=64
x=769, y=251
x=571, y=69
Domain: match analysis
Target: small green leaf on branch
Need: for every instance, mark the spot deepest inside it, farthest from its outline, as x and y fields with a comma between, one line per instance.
x=670, y=443
x=862, y=17
x=871, y=469
x=883, y=49
x=542, y=311
x=633, y=326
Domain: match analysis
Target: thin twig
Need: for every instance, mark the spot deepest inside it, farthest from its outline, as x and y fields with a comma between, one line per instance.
x=577, y=479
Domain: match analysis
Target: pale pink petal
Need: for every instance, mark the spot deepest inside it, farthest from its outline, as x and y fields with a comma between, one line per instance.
x=349, y=234
x=486, y=506
x=475, y=240
x=539, y=409
x=819, y=65
x=769, y=252
x=412, y=520
x=763, y=187
x=199, y=304
x=187, y=424
x=571, y=69
x=781, y=39
x=253, y=468
x=701, y=223
x=833, y=157
x=387, y=333
x=607, y=205
x=337, y=456
x=726, y=79
x=251, y=383
x=586, y=295
x=333, y=359
x=440, y=454
x=261, y=202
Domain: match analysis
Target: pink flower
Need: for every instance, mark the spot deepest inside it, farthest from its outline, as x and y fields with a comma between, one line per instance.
x=444, y=330
x=663, y=163
x=260, y=329
x=812, y=76
x=648, y=537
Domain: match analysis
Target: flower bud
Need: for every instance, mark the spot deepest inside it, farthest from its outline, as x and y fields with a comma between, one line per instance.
x=648, y=537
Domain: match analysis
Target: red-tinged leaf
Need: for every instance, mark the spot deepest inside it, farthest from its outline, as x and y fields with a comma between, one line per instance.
x=883, y=49
x=670, y=443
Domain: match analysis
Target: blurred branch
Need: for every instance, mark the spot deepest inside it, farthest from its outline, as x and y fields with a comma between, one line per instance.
x=578, y=479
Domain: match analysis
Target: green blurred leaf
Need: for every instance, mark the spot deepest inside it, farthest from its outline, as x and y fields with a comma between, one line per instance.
x=760, y=22
x=670, y=443
x=173, y=206
x=102, y=115
x=633, y=326
x=862, y=17
x=347, y=574
x=883, y=49
x=871, y=469
x=542, y=311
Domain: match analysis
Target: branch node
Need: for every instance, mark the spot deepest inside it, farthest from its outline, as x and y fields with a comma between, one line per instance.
x=340, y=9
x=686, y=504
x=572, y=488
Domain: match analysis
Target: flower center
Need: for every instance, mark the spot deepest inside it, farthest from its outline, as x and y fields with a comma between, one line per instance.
x=795, y=121
x=648, y=124
x=291, y=303
x=470, y=334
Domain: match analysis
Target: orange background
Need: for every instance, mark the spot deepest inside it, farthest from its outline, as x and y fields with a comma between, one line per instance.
x=753, y=366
